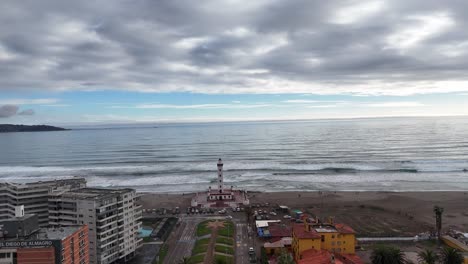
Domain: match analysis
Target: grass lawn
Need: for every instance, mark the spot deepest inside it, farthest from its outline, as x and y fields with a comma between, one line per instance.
x=224, y=240
x=224, y=249
x=197, y=259
x=203, y=241
x=199, y=249
x=203, y=229
x=223, y=259
x=227, y=230
x=201, y=246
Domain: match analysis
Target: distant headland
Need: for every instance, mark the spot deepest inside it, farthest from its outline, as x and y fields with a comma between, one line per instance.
x=8, y=128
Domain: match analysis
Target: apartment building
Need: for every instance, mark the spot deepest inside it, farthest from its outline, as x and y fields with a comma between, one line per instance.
x=34, y=197
x=22, y=241
x=112, y=215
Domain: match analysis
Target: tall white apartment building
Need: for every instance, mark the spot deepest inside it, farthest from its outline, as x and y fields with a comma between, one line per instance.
x=33, y=196
x=112, y=216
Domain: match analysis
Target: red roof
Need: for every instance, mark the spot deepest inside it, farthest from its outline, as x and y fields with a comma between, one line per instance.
x=313, y=256
x=300, y=232
x=279, y=230
x=350, y=259
x=344, y=229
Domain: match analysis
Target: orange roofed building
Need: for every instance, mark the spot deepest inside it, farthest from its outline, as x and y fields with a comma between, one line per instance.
x=324, y=238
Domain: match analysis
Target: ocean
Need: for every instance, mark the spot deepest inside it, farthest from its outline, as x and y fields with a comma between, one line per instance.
x=381, y=154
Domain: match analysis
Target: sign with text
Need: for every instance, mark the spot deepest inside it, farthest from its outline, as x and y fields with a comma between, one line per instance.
x=26, y=244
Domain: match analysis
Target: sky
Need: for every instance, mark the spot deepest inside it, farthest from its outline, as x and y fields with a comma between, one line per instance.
x=124, y=61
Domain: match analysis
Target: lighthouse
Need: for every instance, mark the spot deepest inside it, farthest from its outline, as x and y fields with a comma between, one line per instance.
x=220, y=176
x=218, y=196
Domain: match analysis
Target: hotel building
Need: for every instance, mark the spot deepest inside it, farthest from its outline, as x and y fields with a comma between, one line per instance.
x=34, y=197
x=112, y=215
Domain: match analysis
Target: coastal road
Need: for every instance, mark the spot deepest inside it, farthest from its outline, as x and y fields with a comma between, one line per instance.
x=242, y=243
x=182, y=243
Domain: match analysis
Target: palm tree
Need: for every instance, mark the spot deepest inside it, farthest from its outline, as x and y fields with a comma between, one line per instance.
x=438, y=214
x=451, y=256
x=427, y=257
x=387, y=255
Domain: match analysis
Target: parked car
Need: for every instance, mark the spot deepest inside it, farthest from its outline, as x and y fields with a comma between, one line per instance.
x=287, y=217
x=273, y=213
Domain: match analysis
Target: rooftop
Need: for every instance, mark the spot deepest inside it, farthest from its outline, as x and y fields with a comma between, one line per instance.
x=58, y=233
x=43, y=183
x=94, y=193
x=14, y=219
x=279, y=230
x=300, y=232
x=324, y=229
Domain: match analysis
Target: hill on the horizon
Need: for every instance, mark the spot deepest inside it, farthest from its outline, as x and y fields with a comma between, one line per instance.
x=7, y=128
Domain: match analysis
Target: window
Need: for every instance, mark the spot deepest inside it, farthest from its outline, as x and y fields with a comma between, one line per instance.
x=323, y=238
x=333, y=236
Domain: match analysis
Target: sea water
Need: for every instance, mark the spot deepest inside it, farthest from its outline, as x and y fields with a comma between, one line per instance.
x=380, y=154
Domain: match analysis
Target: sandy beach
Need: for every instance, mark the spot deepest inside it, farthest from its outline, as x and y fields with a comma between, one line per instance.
x=369, y=213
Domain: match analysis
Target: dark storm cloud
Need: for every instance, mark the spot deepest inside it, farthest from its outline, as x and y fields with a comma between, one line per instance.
x=363, y=47
x=12, y=110
x=8, y=110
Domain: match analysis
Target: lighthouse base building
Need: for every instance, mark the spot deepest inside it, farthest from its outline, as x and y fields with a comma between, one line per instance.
x=220, y=196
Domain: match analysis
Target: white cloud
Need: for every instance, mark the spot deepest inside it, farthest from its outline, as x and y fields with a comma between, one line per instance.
x=359, y=10
x=299, y=101
x=323, y=106
x=396, y=104
x=190, y=43
x=417, y=28
x=29, y=101
x=57, y=105
x=200, y=106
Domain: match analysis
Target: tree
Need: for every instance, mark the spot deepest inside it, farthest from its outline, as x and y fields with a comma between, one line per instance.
x=220, y=261
x=264, y=256
x=438, y=211
x=285, y=258
x=451, y=256
x=184, y=260
x=427, y=257
x=387, y=255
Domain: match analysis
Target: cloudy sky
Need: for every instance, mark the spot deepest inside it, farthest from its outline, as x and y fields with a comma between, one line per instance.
x=136, y=60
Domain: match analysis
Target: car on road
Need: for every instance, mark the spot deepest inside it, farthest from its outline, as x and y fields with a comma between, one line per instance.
x=251, y=251
x=287, y=217
x=228, y=216
x=273, y=213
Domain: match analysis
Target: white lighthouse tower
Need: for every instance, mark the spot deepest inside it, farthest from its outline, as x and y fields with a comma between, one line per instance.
x=220, y=176
x=220, y=197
